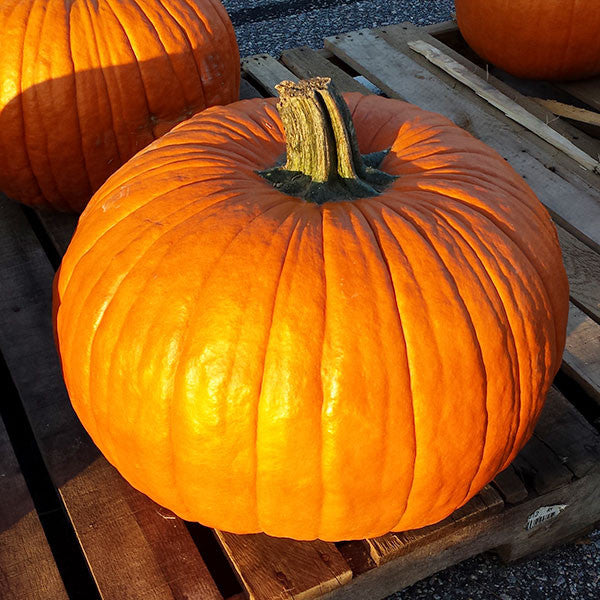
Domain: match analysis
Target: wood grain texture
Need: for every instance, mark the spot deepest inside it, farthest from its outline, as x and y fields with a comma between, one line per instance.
x=390, y=546
x=307, y=63
x=576, y=206
x=583, y=270
x=117, y=526
x=510, y=486
x=266, y=71
x=581, y=359
x=587, y=90
x=507, y=105
x=564, y=431
x=27, y=567
x=276, y=568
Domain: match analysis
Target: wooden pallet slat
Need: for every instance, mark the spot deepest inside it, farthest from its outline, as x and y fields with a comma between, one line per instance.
x=307, y=63
x=581, y=359
x=267, y=72
x=586, y=90
x=393, y=545
x=583, y=270
x=27, y=567
x=507, y=105
x=276, y=568
x=92, y=491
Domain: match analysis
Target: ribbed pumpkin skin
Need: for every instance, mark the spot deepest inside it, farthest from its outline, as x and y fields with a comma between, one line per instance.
x=535, y=39
x=259, y=363
x=85, y=84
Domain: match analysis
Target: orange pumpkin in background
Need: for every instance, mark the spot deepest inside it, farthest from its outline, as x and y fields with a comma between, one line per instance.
x=333, y=348
x=88, y=83
x=534, y=39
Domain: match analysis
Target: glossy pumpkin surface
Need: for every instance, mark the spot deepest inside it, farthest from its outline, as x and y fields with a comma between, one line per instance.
x=257, y=362
x=535, y=39
x=85, y=84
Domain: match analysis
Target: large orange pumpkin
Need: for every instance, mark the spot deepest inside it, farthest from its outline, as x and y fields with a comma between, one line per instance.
x=536, y=39
x=334, y=357
x=85, y=84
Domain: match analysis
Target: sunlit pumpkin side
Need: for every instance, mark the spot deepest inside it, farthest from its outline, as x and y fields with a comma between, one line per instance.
x=85, y=84
x=325, y=345
x=535, y=39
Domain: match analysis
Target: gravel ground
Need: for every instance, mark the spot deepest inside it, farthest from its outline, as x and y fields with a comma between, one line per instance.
x=568, y=573
x=273, y=25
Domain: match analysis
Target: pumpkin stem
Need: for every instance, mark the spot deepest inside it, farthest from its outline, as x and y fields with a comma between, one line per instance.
x=323, y=162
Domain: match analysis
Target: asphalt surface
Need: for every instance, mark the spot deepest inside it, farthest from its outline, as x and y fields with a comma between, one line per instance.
x=273, y=25
x=570, y=572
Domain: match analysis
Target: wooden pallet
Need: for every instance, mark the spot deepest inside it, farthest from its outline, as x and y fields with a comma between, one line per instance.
x=70, y=526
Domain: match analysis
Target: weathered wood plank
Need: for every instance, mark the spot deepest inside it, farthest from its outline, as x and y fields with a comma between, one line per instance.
x=518, y=90
x=510, y=486
x=307, y=63
x=398, y=75
x=581, y=359
x=440, y=29
x=266, y=71
x=567, y=433
x=390, y=546
x=276, y=568
x=540, y=468
x=586, y=90
x=27, y=567
x=507, y=105
x=114, y=523
x=583, y=270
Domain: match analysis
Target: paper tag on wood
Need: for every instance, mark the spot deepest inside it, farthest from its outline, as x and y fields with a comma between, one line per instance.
x=544, y=513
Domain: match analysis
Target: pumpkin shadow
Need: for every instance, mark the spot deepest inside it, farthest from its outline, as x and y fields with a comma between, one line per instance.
x=60, y=139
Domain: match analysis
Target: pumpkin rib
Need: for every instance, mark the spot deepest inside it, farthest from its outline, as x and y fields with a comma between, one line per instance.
x=454, y=286
x=296, y=218
x=99, y=274
x=525, y=289
x=376, y=236
x=127, y=41
x=98, y=67
x=439, y=211
x=16, y=22
x=322, y=475
x=184, y=34
x=20, y=95
x=99, y=26
x=91, y=290
x=503, y=319
x=41, y=116
x=530, y=256
x=196, y=307
x=121, y=98
x=476, y=335
x=22, y=99
x=146, y=15
x=78, y=134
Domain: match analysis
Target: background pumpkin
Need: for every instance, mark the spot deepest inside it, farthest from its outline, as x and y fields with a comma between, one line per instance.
x=88, y=83
x=536, y=39
x=258, y=362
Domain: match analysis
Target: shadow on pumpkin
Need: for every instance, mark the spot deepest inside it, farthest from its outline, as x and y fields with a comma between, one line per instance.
x=62, y=138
